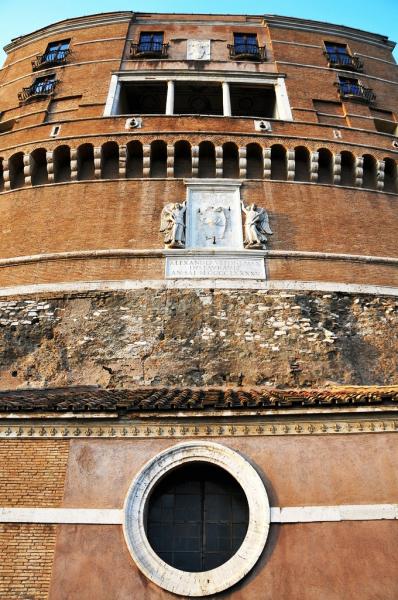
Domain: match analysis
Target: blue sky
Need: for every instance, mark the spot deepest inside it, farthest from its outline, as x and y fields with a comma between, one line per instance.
x=18, y=17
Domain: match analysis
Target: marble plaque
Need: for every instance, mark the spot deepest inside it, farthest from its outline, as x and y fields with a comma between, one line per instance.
x=198, y=50
x=214, y=216
x=215, y=267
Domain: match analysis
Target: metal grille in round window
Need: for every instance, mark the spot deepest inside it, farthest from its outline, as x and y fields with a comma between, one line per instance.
x=196, y=518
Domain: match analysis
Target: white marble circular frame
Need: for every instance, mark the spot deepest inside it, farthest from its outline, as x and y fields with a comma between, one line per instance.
x=206, y=582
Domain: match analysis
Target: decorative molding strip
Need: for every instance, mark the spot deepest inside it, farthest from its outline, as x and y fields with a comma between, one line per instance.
x=177, y=430
x=283, y=515
x=160, y=253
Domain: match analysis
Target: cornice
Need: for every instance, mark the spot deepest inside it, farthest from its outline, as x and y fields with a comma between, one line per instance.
x=329, y=29
x=69, y=25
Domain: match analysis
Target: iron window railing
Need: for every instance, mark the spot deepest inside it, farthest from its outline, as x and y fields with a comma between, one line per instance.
x=38, y=89
x=356, y=91
x=53, y=57
x=344, y=61
x=247, y=51
x=149, y=49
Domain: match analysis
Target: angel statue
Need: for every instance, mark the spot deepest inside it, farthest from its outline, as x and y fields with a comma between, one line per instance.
x=256, y=226
x=172, y=224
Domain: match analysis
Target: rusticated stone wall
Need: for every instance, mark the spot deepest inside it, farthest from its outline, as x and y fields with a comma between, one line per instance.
x=167, y=337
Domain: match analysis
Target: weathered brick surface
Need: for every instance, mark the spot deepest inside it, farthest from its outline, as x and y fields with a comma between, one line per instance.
x=32, y=473
x=200, y=337
x=26, y=557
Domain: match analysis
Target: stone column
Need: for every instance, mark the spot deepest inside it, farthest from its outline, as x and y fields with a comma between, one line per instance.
x=314, y=167
x=226, y=99
x=27, y=169
x=291, y=164
x=146, y=160
x=73, y=164
x=242, y=162
x=170, y=98
x=381, y=166
x=50, y=166
x=219, y=165
x=195, y=160
x=337, y=169
x=358, y=171
x=97, y=162
x=122, y=160
x=267, y=163
x=6, y=175
x=170, y=160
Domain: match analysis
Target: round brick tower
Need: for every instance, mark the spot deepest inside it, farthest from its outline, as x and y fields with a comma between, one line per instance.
x=198, y=264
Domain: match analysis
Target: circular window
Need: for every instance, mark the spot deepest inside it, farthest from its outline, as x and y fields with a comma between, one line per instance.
x=196, y=518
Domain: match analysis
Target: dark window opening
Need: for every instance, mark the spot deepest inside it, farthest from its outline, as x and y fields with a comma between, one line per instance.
x=158, y=159
x=325, y=166
x=182, y=159
x=150, y=45
x=42, y=86
x=278, y=162
x=230, y=161
x=39, y=167
x=339, y=56
x=302, y=164
x=254, y=162
x=390, y=176
x=207, y=160
x=142, y=99
x=253, y=101
x=246, y=46
x=55, y=54
x=62, y=166
x=85, y=162
x=347, y=169
x=353, y=89
x=198, y=99
x=385, y=126
x=1, y=175
x=197, y=517
x=134, y=164
x=370, y=169
x=110, y=160
x=16, y=167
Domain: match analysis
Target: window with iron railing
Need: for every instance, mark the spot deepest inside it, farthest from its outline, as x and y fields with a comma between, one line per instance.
x=42, y=86
x=150, y=45
x=339, y=56
x=353, y=89
x=56, y=54
x=246, y=46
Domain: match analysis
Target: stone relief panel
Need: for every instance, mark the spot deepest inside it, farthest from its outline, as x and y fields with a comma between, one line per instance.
x=198, y=50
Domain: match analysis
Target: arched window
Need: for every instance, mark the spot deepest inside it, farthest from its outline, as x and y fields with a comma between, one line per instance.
x=302, y=164
x=207, y=160
x=1, y=175
x=369, y=172
x=16, y=166
x=390, y=176
x=134, y=164
x=347, y=169
x=39, y=167
x=230, y=160
x=278, y=162
x=110, y=160
x=254, y=162
x=85, y=162
x=158, y=159
x=325, y=166
x=182, y=159
x=61, y=160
